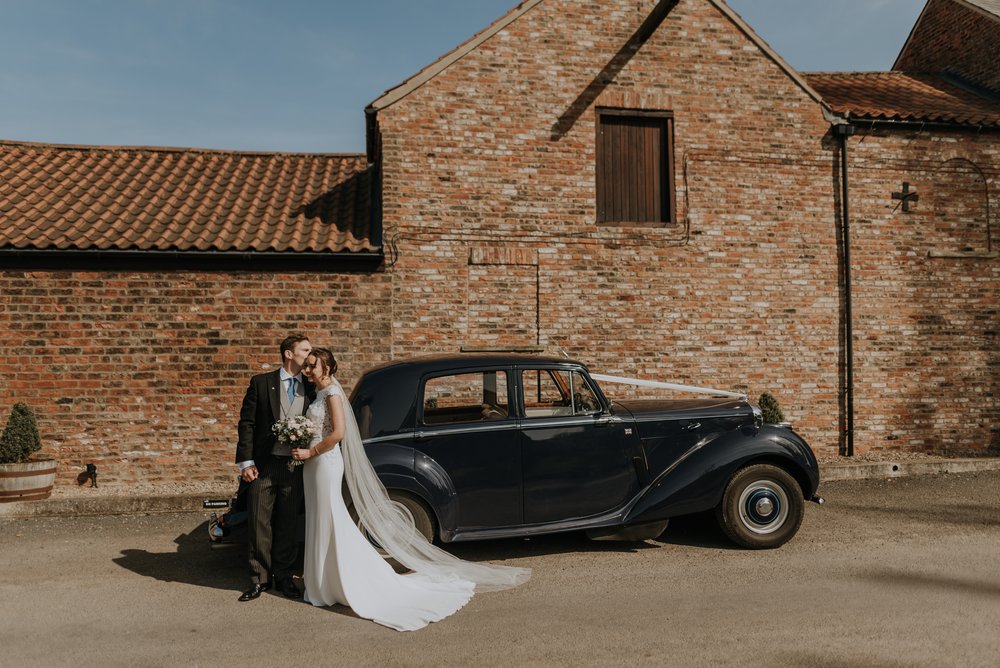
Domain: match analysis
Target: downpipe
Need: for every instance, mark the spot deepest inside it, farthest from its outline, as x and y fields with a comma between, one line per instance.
x=843, y=131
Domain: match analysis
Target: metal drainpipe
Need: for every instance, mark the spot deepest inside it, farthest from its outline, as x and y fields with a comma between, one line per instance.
x=844, y=131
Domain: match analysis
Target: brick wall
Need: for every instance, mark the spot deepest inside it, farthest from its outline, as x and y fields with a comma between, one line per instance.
x=953, y=37
x=927, y=291
x=491, y=235
x=498, y=151
x=143, y=373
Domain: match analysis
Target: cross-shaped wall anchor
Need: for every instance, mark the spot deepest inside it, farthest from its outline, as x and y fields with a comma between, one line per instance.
x=906, y=196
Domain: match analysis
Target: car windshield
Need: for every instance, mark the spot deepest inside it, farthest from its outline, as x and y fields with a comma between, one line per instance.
x=557, y=392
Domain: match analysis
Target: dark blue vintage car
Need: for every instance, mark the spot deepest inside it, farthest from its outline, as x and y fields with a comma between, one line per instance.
x=492, y=446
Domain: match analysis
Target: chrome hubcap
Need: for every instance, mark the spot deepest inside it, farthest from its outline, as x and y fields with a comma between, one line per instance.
x=371, y=539
x=763, y=507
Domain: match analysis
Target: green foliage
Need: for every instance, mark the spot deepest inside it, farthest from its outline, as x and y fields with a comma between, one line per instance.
x=20, y=437
x=769, y=407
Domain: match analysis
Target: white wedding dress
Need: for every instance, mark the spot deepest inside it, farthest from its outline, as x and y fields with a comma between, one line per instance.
x=341, y=566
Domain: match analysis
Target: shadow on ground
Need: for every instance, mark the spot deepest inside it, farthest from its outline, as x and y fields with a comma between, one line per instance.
x=954, y=585
x=691, y=530
x=197, y=562
x=699, y=530
x=194, y=562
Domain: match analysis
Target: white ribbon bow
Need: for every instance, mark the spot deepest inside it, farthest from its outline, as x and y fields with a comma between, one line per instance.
x=666, y=386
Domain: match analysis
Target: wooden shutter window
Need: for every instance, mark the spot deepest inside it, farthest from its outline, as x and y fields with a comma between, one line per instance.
x=634, y=167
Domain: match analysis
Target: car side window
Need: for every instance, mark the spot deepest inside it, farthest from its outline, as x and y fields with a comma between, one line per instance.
x=466, y=397
x=557, y=393
x=584, y=399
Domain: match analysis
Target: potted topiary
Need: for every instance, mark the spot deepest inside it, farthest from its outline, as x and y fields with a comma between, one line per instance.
x=21, y=477
x=769, y=407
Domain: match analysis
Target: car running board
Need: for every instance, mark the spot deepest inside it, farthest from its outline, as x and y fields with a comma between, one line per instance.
x=636, y=532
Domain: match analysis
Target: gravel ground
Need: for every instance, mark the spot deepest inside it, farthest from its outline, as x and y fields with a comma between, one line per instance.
x=876, y=577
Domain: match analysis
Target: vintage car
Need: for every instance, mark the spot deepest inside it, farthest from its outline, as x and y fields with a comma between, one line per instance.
x=491, y=446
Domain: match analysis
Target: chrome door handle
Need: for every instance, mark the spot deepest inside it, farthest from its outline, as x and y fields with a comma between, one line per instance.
x=692, y=426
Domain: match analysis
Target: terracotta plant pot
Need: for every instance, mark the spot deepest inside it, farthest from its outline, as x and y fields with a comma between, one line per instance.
x=27, y=481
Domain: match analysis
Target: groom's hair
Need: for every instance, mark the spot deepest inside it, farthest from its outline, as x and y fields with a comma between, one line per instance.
x=291, y=341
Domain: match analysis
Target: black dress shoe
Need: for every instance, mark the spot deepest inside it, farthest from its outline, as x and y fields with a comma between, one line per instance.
x=254, y=591
x=288, y=588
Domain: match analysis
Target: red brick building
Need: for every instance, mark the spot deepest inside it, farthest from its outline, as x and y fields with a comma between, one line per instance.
x=141, y=287
x=645, y=185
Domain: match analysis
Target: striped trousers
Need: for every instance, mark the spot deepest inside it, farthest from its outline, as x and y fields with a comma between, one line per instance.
x=273, y=503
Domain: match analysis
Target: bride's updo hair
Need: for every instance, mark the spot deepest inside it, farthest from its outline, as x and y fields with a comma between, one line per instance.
x=325, y=357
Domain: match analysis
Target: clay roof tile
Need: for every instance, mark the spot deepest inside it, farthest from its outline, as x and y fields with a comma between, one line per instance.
x=904, y=96
x=123, y=198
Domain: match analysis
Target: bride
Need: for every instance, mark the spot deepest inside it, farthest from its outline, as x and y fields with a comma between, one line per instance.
x=341, y=566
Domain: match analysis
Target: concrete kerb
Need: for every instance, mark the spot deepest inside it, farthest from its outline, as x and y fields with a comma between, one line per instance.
x=166, y=502
x=896, y=469
x=107, y=505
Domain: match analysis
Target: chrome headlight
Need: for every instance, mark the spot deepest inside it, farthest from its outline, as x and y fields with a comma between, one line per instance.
x=758, y=417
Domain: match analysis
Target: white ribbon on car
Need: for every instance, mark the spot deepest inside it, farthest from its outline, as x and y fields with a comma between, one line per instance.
x=666, y=386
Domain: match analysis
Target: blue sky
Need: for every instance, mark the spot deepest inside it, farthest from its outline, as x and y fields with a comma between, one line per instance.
x=294, y=75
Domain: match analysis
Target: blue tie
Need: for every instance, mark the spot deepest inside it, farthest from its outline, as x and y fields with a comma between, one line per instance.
x=291, y=390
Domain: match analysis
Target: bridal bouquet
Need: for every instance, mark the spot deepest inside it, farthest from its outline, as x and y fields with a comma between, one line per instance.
x=295, y=432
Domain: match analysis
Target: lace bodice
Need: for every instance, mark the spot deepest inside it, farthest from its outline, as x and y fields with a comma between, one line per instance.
x=319, y=415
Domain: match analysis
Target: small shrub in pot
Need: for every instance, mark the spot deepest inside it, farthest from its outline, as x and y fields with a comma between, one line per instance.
x=20, y=437
x=769, y=407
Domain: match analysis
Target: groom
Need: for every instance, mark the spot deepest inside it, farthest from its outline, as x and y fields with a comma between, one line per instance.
x=274, y=495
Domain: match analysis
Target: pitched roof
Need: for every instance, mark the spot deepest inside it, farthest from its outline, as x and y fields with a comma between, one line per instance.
x=163, y=199
x=397, y=93
x=902, y=96
x=988, y=6
x=400, y=91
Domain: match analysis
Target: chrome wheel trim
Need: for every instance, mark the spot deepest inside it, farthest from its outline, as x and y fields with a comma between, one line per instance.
x=763, y=507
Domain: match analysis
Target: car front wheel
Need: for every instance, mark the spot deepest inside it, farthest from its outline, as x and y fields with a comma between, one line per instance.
x=761, y=508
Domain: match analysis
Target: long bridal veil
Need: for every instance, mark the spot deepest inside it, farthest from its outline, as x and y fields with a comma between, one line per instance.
x=392, y=526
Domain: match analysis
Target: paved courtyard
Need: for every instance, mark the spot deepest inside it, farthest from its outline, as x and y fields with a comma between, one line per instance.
x=900, y=572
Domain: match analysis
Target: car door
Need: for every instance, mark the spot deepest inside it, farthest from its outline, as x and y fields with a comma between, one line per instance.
x=573, y=450
x=467, y=426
